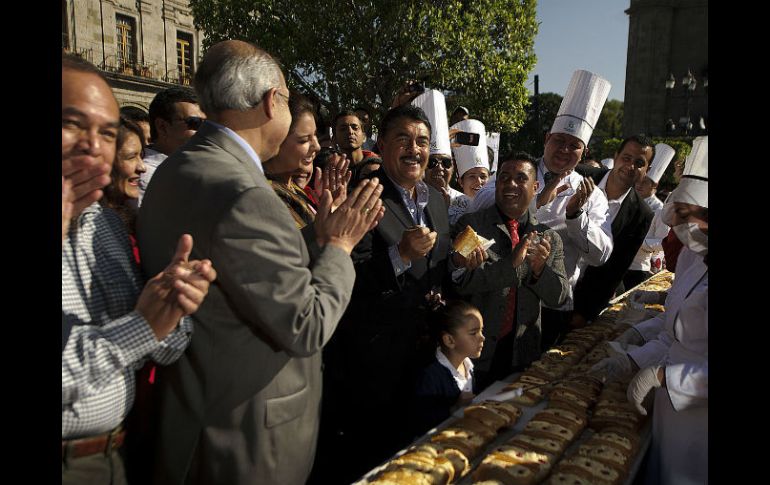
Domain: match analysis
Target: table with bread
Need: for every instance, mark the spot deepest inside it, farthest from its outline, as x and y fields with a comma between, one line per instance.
x=555, y=424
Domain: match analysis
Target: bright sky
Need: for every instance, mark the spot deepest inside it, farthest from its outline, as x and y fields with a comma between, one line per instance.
x=580, y=34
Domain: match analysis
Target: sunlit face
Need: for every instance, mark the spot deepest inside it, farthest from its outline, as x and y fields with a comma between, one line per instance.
x=298, y=150
x=645, y=187
x=690, y=213
x=348, y=133
x=128, y=167
x=562, y=152
x=439, y=175
x=468, y=339
x=405, y=150
x=90, y=119
x=473, y=180
x=515, y=187
x=631, y=163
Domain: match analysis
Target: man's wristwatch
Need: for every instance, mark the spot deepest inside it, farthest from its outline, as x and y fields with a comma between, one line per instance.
x=576, y=215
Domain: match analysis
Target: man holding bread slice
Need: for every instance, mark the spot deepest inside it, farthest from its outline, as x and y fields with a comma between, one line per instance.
x=568, y=202
x=522, y=269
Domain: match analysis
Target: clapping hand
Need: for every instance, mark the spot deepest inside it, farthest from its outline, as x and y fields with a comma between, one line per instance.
x=176, y=291
x=334, y=177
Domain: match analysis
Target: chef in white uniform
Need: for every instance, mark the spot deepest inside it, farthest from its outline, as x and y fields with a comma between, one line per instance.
x=673, y=359
x=642, y=267
x=472, y=166
x=568, y=203
x=439, y=170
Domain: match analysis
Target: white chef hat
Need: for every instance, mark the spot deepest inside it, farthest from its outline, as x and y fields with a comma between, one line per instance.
x=663, y=156
x=467, y=156
x=582, y=105
x=694, y=186
x=493, y=142
x=608, y=162
x=432, y=102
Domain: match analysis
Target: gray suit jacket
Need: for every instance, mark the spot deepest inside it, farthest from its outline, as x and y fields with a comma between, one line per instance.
x=488, y=285
x=242, y=404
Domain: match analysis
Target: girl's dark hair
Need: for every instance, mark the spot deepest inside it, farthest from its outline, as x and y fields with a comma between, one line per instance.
x=447, y=318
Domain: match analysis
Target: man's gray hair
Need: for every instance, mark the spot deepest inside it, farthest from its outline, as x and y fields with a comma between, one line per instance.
x=235, y=78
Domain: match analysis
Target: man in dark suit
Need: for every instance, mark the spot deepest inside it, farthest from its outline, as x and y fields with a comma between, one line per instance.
x=369, y=368
x=631, y=218
x=242, y=404
x=533, y=271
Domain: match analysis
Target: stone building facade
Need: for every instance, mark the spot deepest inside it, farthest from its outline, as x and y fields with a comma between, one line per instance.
x=666, y=37
x=142, y=46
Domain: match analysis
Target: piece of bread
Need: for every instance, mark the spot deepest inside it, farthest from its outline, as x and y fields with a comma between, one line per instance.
x=506, y=408
x=403, y=475
x=459, y=461
x=466, y=442
x=439, y=469
x=609, y=455
x=564, y=478
x=484, y=430
x=536, y=443
x=589, y=468
x=549, y=429
x=530, y=397
x=490, y=416
x=620, y=437
x=466, y=242
x=496, y=467
x=569, y=419
x=569, y=397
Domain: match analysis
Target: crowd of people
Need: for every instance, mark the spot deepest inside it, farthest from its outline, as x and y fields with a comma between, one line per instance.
x=249, y=299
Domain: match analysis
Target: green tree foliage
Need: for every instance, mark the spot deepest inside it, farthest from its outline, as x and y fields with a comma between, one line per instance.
x=349, y=52
x=531, y=136
x=609, y=125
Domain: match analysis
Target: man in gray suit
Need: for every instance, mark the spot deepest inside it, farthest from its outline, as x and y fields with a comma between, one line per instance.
x=518, y=272
x=242, y=404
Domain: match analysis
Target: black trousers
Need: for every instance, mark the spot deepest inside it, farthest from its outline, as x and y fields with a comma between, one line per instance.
x=555, y=324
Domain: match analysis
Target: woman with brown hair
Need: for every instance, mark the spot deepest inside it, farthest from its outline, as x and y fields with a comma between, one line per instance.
x=295, y=159
x=122, y=193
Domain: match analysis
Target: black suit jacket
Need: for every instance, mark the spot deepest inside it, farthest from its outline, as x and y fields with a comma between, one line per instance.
x=379, y=332
x=598, y=284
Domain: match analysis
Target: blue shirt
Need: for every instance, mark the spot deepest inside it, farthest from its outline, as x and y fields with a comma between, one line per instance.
x=416, y=209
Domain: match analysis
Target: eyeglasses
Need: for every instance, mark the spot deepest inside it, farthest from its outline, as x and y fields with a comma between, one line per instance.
x=445, y=162
x=192, y=122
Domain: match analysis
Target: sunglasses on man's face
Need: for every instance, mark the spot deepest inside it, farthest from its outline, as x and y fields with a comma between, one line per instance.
x=192, y=122
x=445, y=162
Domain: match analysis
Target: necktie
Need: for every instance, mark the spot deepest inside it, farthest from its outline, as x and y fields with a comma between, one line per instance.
x=510, y=308
x=548, y=176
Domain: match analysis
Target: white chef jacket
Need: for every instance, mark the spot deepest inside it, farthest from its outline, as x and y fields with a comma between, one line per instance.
x=652, y=243
x=679, y=450
x=692, y=270
x=587, y=238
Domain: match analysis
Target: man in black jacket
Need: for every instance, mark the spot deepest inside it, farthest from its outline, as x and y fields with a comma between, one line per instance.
x=631, y=218
x=372, y=358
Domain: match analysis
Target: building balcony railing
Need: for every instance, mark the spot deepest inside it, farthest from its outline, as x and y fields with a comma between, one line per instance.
x=136, y=69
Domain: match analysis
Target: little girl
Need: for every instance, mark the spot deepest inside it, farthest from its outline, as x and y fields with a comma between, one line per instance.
x=447, y=381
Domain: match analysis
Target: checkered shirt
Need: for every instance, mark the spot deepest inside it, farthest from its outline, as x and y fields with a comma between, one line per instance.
x=109, y=340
